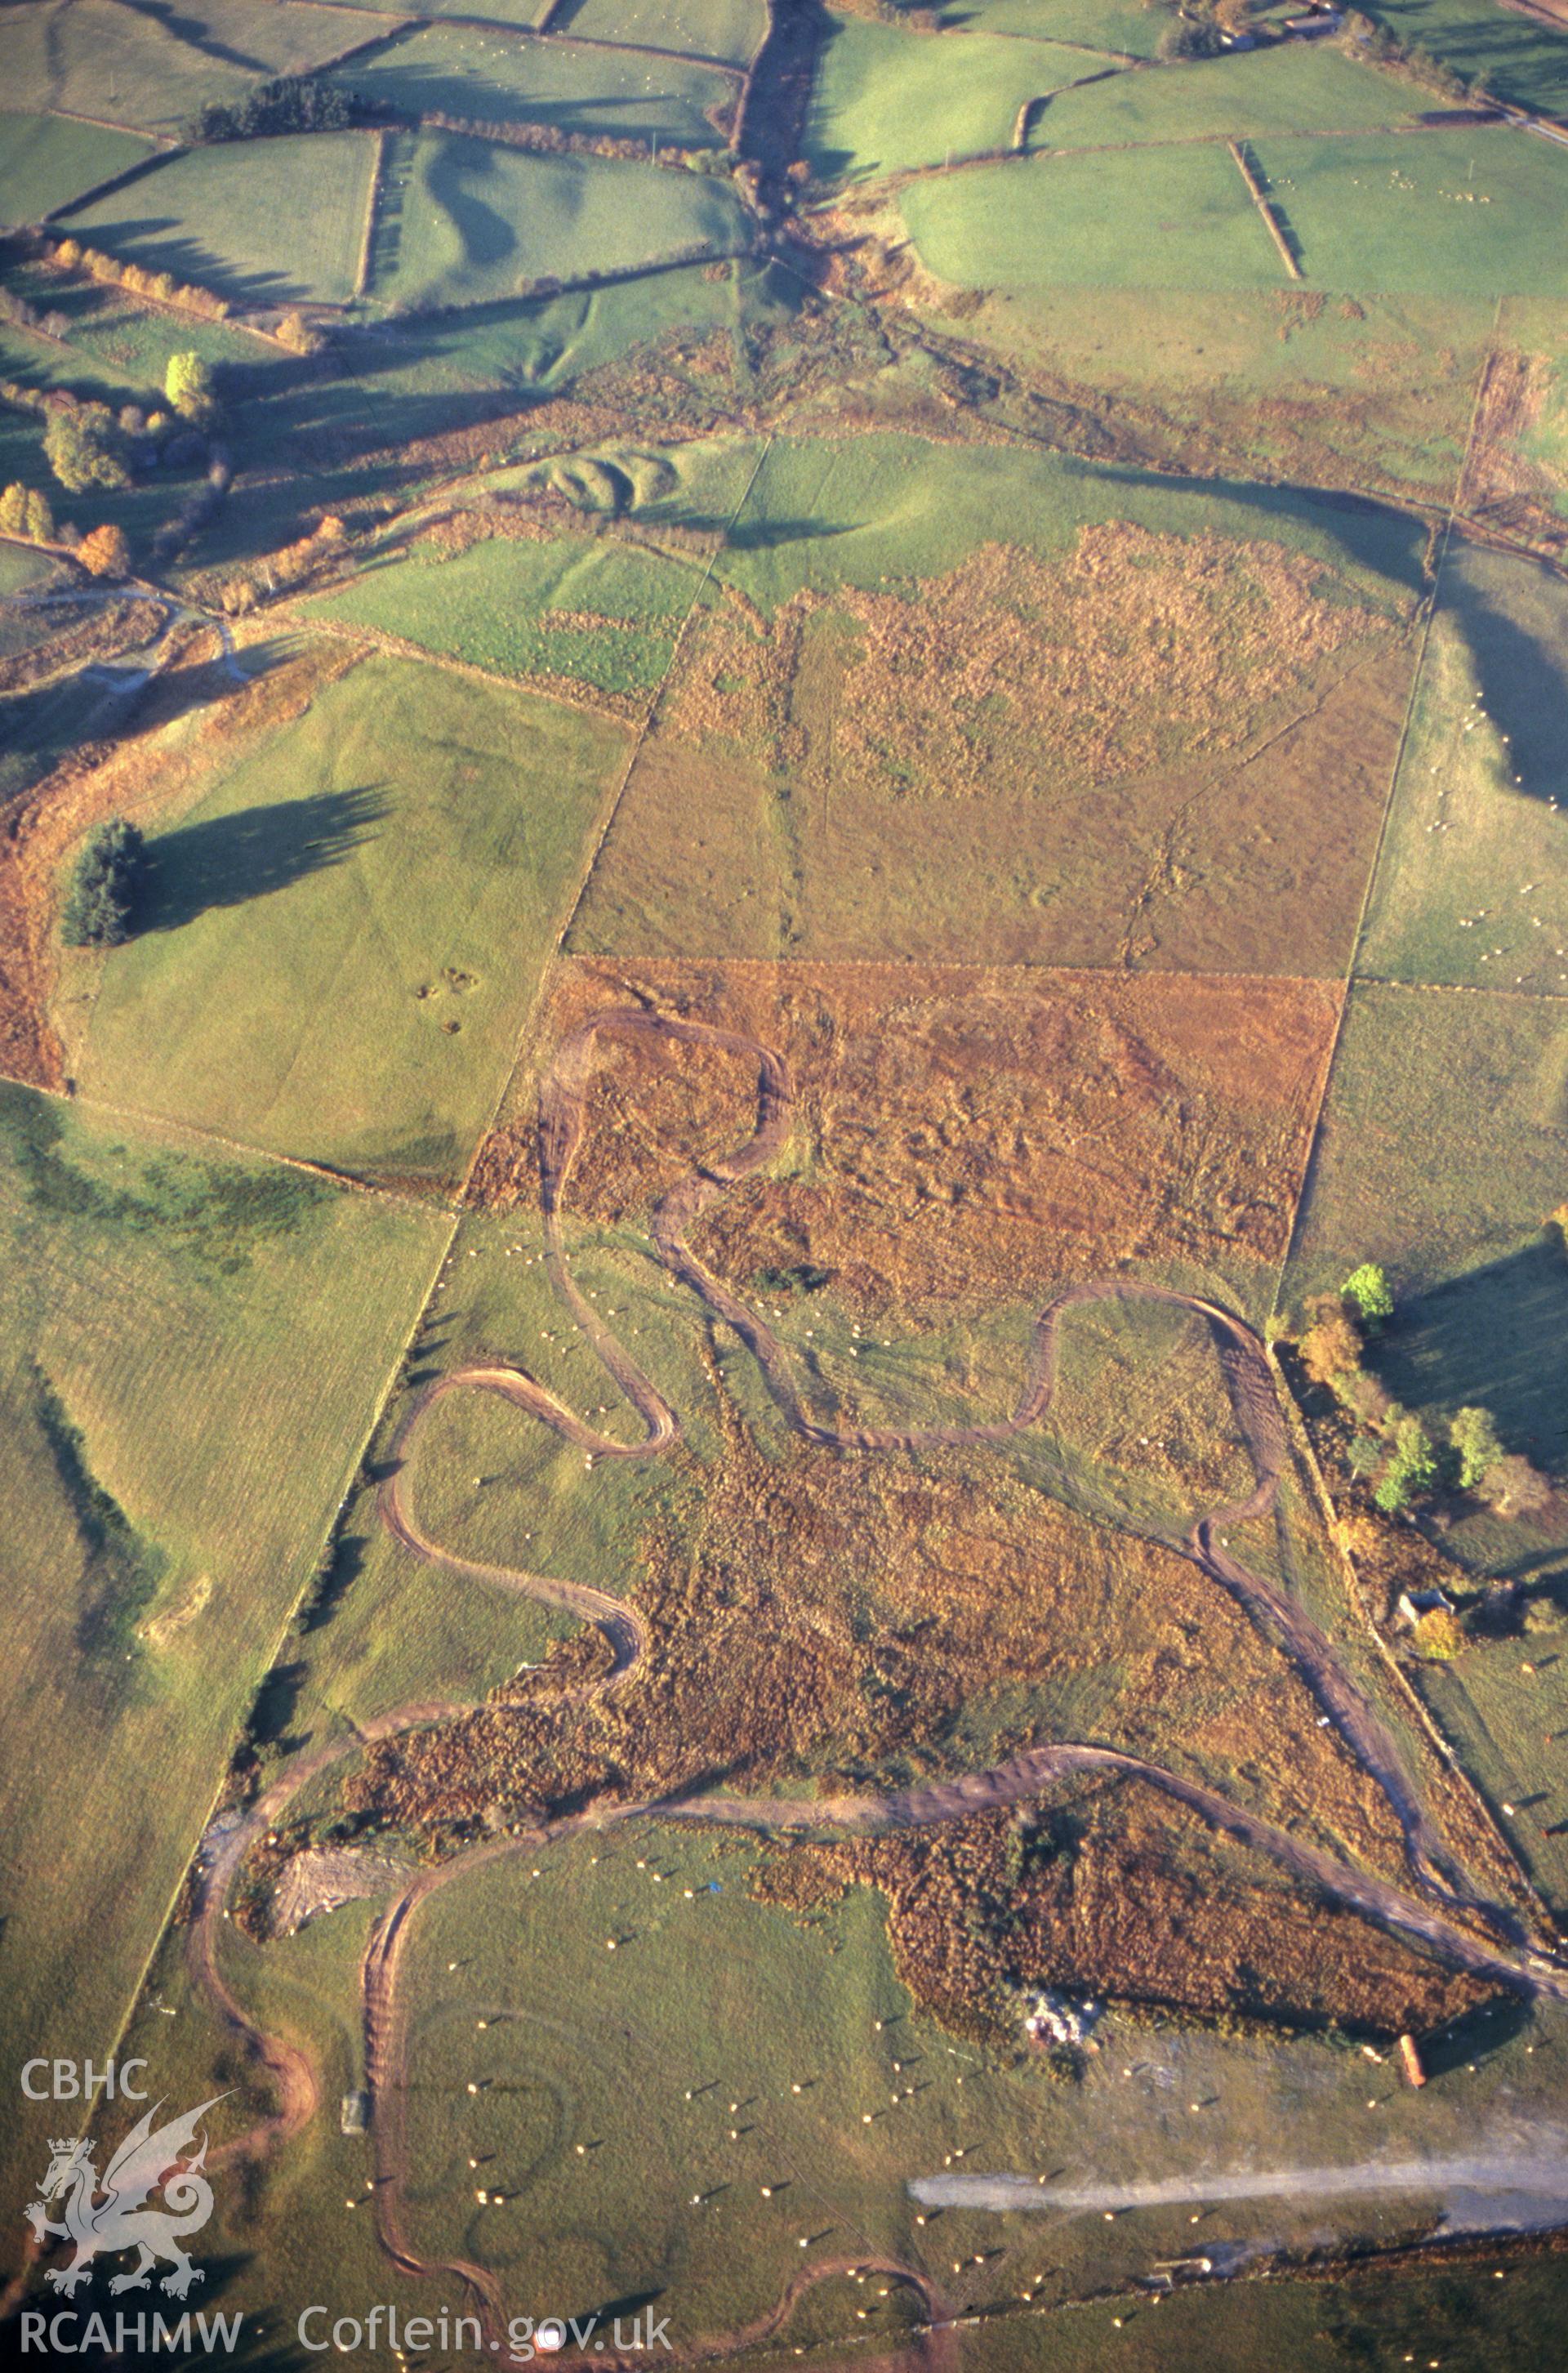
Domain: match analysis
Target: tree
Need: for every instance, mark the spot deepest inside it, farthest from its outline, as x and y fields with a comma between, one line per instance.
x=1369, y=1293
x=105, y=552
x=81, y=445
x=1440, y=1633
x=103, y=895
x=187, y=383
x=26, y=513
x=1332, y=1347
x=1185, y=40
x=1411, y=1469
x=1474, y=1438
x=1515, y=1488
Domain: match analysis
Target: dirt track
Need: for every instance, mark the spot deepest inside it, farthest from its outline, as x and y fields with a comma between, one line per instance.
x=1442, y=1912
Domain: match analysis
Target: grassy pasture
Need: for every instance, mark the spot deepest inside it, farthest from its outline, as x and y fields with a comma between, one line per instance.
x=1498, y=1714
x=883, y=100
x=1522, y=58
x=602, y=614
x=169, y=1320
x=730, y=29
x=1377, y=392
x=262, y=220
x=150, y=69
x=584, y=2059
x=1481, y=1080
x=1472, y=881
x=1468, y=212
x=866, y=510
x=344, y=931
x=481, y=223
x=1166, y=218
x=1120, y=26
x=492, y=78
x=1303, y=87
x=45, y=162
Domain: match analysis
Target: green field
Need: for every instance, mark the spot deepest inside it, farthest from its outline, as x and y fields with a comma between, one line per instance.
x=731, y=29
x=264, y=221
x=479, y=223
x=151, y=68
x=884, y=100
x=817, y=2096
x=1166, y=219
x=1472, y=881
x=1481, y=1078
x=169, y=1322
x=1302, y=87
x=45, y=163
x=1468, y=212
x=491, y=77
x=600, y=614
x=1123, y=27
x=343, y=934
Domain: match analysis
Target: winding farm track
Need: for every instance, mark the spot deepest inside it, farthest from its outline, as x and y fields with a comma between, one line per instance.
x=1440, y=1911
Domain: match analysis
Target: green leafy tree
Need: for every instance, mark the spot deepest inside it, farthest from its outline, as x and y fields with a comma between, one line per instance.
x=1411, y=1469
x=1440, y=1634
x=82, y=447
x=1369, y=1293
x=187, y=383
x=1476, y=1446
x=103, y=895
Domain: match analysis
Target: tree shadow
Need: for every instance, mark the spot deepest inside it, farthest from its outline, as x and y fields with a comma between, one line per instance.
x=1493, y=1340
x=226, y=861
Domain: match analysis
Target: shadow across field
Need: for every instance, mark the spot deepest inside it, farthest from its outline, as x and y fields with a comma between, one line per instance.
x=1491, y=1340
x=225, y=861
x=1523, y=680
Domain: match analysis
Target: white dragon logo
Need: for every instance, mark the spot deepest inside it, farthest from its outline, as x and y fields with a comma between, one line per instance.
x=144, y=2163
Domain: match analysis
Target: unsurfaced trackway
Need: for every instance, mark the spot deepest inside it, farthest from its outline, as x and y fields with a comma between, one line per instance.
x=1440, y=1910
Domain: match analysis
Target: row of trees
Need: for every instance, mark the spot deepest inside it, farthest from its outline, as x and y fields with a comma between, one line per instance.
x=138, y=278
x=1364, y=38
x=26, y=514
x=1392, y=1448
x=292, y=103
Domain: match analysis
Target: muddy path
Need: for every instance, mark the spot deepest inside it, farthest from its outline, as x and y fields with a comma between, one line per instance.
x=1440, y=1911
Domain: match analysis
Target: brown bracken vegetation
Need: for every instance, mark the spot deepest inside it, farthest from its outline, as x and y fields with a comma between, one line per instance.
x=962, y=1136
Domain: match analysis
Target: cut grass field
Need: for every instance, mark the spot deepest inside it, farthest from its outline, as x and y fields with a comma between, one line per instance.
x=261, y=221
x=343, y=931
x=478, y=223
x=599, y=614
x=1300, y=87
x=490, y=76
x=1466, y=213
x=1472, y=879
x=45, y=162
x=1175, y=217
x=191, y=1350
x=152, y=68
x=1442, y=1138
x=1120, y=26
x=884, y=99
x=730, y=30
